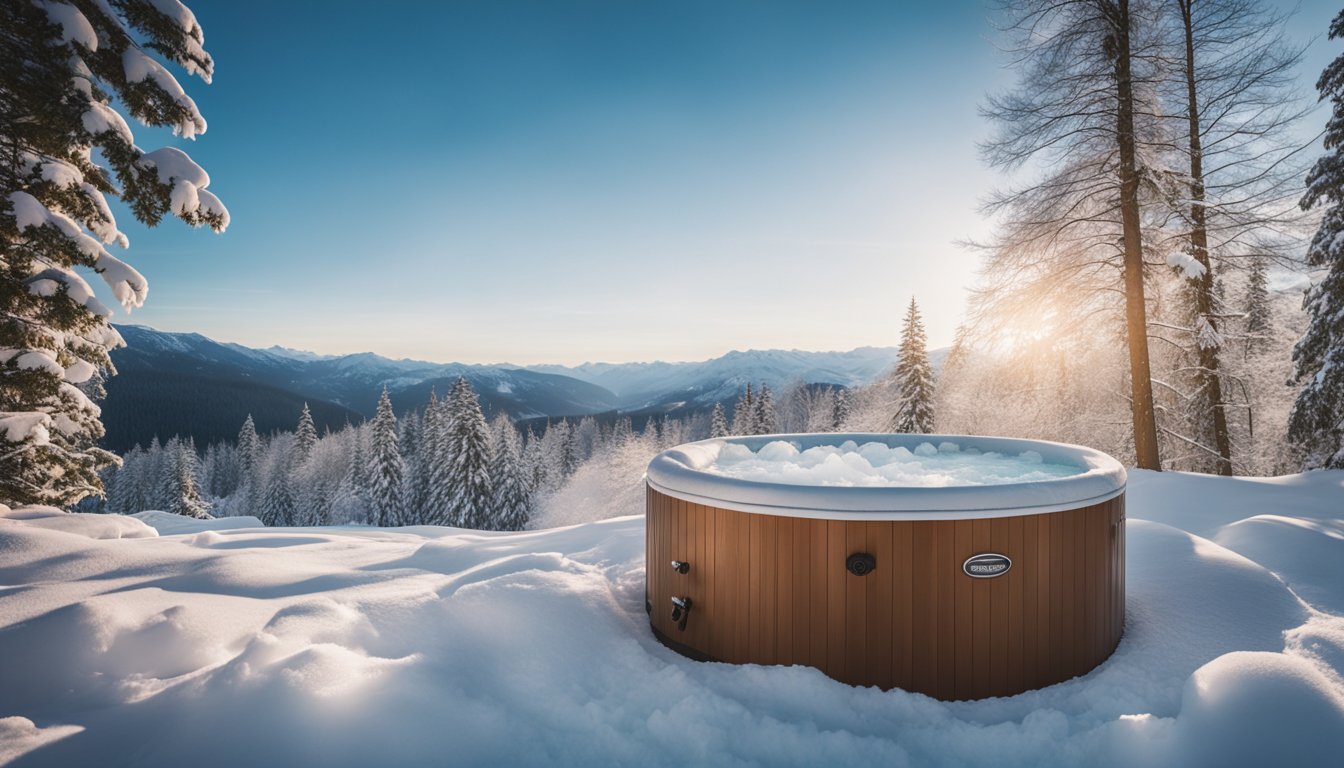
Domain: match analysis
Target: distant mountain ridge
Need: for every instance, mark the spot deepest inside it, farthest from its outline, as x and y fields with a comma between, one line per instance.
x=673, y=387
x=188, y=384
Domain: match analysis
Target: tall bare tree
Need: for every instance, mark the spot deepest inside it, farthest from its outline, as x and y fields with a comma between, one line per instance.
x=1233, y=183
x=1083, y=116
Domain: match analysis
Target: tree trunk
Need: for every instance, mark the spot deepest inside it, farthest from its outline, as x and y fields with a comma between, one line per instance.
x=1208, y=378
x=1136, y=320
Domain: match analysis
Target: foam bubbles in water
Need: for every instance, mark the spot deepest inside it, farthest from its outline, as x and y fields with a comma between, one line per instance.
x=878, y=464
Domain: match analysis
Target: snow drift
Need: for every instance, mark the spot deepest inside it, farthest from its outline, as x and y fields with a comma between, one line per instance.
x=205, y=645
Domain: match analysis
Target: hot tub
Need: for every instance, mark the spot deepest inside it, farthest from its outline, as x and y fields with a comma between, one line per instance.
x=931, y=563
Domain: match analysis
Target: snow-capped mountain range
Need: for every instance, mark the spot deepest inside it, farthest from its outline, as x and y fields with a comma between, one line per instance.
x=660, y=386
x=186, y=383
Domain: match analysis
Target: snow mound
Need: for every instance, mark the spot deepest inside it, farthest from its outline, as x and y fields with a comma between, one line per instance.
x=1258, y=708
x=877, y=464
x=353, y=646
x=79, y=524
x=167, y=523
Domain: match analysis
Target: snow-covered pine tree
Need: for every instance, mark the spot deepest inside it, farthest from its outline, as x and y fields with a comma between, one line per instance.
x=126, y=490
x=671, y=432
x=385, y=481
x=718, y=423
x=567, y=444
x=249, y=448
x=277, y=501
x=1257, y=307
x=470, y=493
x=765, y=420
x=535, y=465
x=622, y=432
x=512, y=492
x=184, y=498
x=651, y=433
x=839, y=409
x=913, y=378
x=435, y=465
x=744, y=413
x=359, y=463
x=64, y=72
x=1316, y=424
x=305, y=437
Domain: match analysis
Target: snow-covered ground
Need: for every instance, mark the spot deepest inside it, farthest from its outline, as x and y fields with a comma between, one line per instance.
x=209, y=644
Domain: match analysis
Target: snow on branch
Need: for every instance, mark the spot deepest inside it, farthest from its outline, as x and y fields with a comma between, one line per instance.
x=139, y=67
x=75, y=28
x=1186, y=263
x=187, y=181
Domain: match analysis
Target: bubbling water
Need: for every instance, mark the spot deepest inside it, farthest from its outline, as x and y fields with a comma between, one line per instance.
x=875, y=464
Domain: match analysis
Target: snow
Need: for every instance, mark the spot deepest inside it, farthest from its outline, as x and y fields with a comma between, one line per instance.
x=74, y=26
x=187, y=181
x=425, y=646
x=18, y=427
x=138, y=67
x=877, y=464
x=99, y=118
x=128, y=286
x=1187, y=264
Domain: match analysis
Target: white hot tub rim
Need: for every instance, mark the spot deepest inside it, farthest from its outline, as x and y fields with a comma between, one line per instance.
x=676, y=472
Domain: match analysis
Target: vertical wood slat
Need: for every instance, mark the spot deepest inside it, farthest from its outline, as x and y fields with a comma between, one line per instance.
x=769, y=590
x=1032, y=658
x=775, y=590
x=835, y=598
x=800, y=572
x=784, y=599
x=963, y=630
x=998, y=610
x=903, y=571
x=883, y=640
x=820, y=606
x=981, y=616
x=742, y=591
x=854, y=619
x=924, y=625
x=756, y=644
x=948, y=579
x=1015, y=656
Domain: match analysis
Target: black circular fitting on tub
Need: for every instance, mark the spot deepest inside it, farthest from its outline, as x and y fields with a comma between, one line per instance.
x=860, y=563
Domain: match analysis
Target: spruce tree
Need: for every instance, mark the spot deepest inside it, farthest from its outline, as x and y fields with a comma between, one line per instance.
x=512, y=494
x=435, y=466
x=839, y=409
x=718, y=423
x=358, y=472
x=534, y=463
x=470, y=493
x=386, y=471
x=65, y=71
x=123, y=489
x=1316, y=424
x=744, y=413
x=569, y=450
x=249, y=448
x=277, y=503
x=765, y=419
x=913, y=378
x=1257, y=304
x=184, y=498
x=305, y=437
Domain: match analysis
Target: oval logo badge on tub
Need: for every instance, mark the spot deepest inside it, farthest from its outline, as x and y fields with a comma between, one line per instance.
x=986, y=566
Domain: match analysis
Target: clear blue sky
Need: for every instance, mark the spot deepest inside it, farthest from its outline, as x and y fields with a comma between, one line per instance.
x=610, y=180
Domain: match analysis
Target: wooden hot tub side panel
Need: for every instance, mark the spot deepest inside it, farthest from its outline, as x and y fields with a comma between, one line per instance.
x=774, y=590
